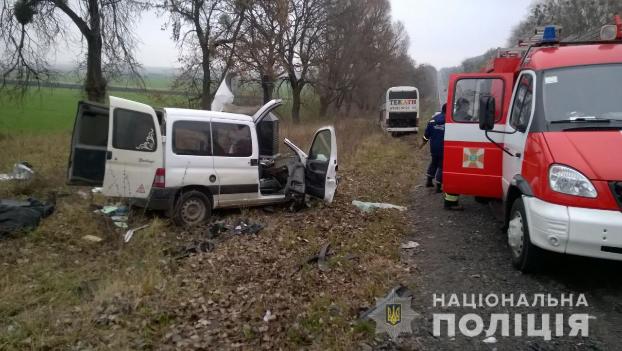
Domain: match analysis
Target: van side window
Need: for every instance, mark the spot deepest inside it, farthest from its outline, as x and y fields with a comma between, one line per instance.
x=134, y=131
x=192, y=138
x=232, y=140
x=522, y=104
x=467, y=96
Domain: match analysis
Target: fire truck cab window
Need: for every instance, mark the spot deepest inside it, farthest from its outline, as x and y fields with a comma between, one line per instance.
x=522, y=105
x=468, y=94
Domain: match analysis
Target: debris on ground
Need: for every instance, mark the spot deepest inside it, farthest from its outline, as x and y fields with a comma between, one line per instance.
x=244, y=227
x=82, y=194
x=18, y=215
x=116, y=210
x=117, y=213
x=320, y=259
x=410, y=245
x=21, y=171
x=92, y=238
x=130, y=233
x=240, y=227
x=490, y=340
x=97, y=190
x=194, y=247
x=370, y=206
x=268, y=316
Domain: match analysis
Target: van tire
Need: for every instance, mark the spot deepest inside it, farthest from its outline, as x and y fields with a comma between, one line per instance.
x=193, y=208
x=526, y=257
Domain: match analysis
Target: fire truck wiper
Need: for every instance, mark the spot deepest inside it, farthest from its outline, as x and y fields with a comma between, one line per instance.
x=585, y=119
x=580, y=128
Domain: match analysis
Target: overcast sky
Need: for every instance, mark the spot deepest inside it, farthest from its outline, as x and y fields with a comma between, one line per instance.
x=442, y=32
x=445, y=32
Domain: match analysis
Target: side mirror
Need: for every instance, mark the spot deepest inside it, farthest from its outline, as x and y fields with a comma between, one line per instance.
x=487, y=111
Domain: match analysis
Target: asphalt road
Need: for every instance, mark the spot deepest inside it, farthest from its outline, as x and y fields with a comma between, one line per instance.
x=466, y=253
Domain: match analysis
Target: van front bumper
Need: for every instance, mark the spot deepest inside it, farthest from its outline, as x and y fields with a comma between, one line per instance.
x=574, y=230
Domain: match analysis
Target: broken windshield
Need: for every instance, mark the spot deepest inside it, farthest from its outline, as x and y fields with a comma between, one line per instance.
x=583, y=94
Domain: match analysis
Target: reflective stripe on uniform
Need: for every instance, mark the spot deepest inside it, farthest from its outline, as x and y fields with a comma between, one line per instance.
x=451, y=198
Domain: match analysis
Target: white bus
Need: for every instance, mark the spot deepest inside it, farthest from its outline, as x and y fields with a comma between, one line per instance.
x=400, y=111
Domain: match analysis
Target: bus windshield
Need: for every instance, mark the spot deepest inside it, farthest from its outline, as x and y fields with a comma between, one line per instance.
x=583, y=94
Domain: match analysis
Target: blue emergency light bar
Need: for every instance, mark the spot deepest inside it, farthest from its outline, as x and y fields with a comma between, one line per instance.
x=550, y=35
x=547, y=35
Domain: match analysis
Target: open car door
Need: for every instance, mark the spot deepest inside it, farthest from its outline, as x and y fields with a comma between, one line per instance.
x=472, y=164
x=135, y=149
x=265, y=109
x=89, y=143
x=321, y=165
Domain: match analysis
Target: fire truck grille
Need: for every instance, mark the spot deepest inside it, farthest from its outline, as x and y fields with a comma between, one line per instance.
x=616, y=188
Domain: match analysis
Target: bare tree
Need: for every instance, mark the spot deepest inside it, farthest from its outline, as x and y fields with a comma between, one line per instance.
x=300, y=45
x=576, y=17
x=30, y=29
x=207, y=32
x=363, y=53
x=258, y=48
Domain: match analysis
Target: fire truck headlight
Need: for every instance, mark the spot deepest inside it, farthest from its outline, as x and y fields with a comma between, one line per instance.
x=566, y=180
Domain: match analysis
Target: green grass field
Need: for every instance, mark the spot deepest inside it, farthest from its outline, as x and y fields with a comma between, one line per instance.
x=47, y=110
x=52, y=110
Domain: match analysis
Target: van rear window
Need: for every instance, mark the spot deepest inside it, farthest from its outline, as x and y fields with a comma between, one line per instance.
x=93, y=129
x=192, y=138
x=134, y=131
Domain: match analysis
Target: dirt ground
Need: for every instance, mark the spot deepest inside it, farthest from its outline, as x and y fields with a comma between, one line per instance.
x=61, y=292
x=466, y=252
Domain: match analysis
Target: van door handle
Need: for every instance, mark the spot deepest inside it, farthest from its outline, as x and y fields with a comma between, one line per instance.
x=108, y=155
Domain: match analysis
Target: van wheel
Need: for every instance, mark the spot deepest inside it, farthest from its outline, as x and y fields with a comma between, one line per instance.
x=193, y=208
x=525, y=256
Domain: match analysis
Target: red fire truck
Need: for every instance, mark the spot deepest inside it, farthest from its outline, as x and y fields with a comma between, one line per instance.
x=541, y=130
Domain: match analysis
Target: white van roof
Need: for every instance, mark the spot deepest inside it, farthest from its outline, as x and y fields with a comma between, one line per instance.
x=184, y=112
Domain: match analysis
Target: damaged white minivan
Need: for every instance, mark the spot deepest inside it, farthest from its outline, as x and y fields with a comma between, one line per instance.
x=188, y=162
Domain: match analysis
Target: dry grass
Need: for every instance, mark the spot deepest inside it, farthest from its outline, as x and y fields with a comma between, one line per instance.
x=61, y=292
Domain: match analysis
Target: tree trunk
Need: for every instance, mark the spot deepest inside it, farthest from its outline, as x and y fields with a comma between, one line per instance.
x=206, y=94
x=95, y=84
x=267, y=85
x=296, y=102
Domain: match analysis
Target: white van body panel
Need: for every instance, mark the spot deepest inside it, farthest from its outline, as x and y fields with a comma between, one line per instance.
x=130, y=169
x=204, y=151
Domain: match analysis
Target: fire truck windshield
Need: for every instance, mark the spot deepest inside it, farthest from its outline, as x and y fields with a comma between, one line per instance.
x=583, y=94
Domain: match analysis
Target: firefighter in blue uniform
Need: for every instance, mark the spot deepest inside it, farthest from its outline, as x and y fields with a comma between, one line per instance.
x=435, y=134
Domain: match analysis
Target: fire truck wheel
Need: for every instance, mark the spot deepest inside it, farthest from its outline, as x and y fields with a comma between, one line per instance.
x=193, y=208
x=525, y=255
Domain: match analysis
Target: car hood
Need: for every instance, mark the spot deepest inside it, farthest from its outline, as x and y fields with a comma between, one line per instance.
x=597, y=154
